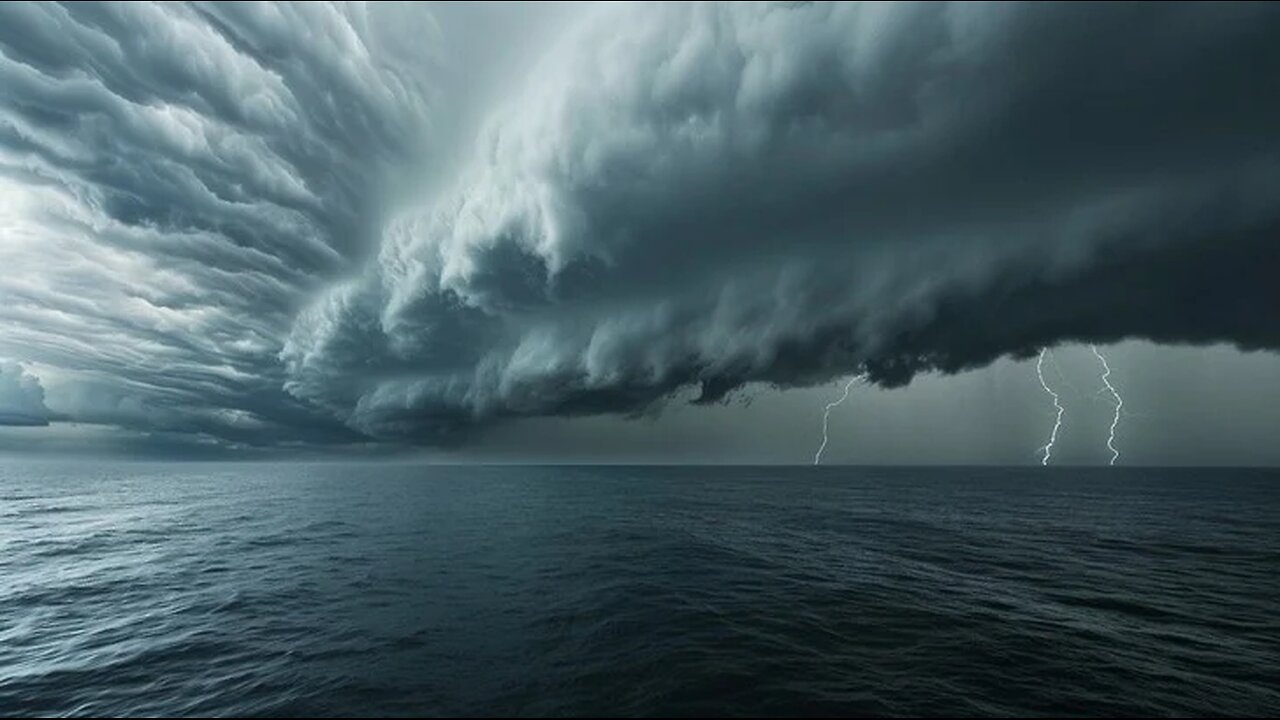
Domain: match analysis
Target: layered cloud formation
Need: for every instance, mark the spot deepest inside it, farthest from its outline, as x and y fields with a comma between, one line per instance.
x=176, y=181
x=718, y=195
x=211, y=210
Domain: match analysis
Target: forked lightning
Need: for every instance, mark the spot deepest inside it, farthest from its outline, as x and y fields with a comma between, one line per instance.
x=826, y=415
x=1057, y=423
x=1115, y=419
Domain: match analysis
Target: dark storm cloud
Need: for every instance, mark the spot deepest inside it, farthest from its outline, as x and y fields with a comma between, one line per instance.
x=714, y=195
x=247, y=224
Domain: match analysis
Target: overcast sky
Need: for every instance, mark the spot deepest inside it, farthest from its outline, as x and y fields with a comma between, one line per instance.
x=650, y=233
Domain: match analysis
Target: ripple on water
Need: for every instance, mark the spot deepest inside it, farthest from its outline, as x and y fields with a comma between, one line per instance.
x=333, y=590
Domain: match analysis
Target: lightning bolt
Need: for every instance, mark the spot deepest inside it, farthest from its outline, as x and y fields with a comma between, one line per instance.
x=1057, y=423
x=1115, y=419
x=826, y=415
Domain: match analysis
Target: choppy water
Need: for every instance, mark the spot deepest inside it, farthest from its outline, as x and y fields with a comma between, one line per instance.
x=322, y=589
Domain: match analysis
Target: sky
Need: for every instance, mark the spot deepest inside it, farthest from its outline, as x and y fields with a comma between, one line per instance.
x=569, y=232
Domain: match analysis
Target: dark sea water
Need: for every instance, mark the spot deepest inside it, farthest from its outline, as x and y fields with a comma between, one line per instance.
x=370, y=590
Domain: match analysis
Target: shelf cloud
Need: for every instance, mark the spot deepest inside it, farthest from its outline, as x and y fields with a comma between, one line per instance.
x=215, y=218
x=715, y=195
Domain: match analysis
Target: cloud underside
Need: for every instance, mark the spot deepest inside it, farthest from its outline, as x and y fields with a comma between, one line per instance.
x=713, y=196
x=205, y=231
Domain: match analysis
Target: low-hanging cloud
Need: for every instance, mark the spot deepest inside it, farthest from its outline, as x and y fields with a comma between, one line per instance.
x=717, y=195
x=21, y=397
x=273, y=224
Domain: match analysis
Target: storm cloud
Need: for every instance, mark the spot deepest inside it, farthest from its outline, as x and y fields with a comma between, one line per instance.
x=259, y=223
x=716, y=195
x=176, y=181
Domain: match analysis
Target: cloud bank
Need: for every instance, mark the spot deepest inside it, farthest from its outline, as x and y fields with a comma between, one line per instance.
x=177, y=180
x=21, y=398
x=214, y=219
x=716, y=195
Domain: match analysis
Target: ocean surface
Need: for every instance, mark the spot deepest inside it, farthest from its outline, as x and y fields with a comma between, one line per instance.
x=287, y=589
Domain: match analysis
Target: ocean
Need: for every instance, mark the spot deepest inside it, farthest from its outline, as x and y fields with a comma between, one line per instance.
x=332, y=589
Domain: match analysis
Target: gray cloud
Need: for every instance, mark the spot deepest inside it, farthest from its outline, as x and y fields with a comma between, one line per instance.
x=716, y=195
x=176, y=180
x=21, y=397
x=286, y=225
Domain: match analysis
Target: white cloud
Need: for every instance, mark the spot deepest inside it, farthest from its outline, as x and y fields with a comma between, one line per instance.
x=21, y=397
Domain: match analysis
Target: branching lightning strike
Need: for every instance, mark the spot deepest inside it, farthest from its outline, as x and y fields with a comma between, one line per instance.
x=1057, y=423
x=826, y=415
x=1115, y=419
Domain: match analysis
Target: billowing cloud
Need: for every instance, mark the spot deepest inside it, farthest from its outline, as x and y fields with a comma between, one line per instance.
x=285, y=224
x=21, y=397
x=716, y=195
x=177, y=180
